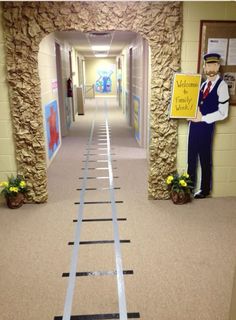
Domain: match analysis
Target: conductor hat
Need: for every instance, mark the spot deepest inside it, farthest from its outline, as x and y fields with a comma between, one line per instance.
x=211, y=57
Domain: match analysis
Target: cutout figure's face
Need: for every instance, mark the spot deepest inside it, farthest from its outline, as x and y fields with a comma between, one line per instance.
x=211, y=69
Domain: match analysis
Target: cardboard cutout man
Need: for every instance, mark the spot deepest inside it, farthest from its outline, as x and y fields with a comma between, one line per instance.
x=213, y=105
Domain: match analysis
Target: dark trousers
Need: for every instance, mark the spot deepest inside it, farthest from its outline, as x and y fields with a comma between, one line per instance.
x=200, y=146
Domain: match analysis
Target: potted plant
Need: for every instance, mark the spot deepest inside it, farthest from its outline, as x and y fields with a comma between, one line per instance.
x=13, y=191
x=180, y=187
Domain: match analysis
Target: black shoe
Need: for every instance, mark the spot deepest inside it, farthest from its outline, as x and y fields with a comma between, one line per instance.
x=200, y=195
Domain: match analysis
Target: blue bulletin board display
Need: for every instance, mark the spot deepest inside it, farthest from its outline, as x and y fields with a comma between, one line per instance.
x=136, y=110
x=52, y=128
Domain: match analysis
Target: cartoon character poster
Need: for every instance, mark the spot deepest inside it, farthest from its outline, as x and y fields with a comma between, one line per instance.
x=104, y=81
x=52, y=128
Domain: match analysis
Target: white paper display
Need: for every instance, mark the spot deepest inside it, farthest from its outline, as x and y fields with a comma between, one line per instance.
x=218, y=45
x=231, y=61
x=230, y=79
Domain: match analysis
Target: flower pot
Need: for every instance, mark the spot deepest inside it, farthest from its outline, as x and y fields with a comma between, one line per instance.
x=14, y=202
x=180, y=197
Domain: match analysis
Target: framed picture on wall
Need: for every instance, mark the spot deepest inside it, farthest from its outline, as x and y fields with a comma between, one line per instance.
x=52, y=128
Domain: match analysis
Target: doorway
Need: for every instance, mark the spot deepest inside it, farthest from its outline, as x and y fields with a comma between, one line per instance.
x=60, y=90
x=163, y=32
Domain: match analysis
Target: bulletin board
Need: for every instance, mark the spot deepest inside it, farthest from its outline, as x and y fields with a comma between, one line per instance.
x=220, y=37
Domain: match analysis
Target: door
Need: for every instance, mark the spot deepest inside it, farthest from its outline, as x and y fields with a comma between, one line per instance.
x=60, y=91
x=72, y=98
x=130, y=98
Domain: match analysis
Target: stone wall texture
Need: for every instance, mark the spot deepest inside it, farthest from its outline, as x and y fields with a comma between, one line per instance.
x=27, y=23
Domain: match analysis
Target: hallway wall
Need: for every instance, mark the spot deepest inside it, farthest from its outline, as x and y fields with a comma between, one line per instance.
x=123, y=80
x=126, y=84
x=224, y=155
x=48, y=73
x=7, y=146
x=65, y=48
x=139, y=69
x=78, y=80
x=139, y=100
x=77, y=70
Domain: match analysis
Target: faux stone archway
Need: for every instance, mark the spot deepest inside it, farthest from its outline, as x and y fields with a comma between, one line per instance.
x=27, y=23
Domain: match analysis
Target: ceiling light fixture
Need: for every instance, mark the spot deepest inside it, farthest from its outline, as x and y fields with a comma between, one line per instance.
x=100, y=55
x=101, y=48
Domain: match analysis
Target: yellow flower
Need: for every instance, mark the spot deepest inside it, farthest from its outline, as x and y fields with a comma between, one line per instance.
x=4, y=184
x=186, y=175
x=22, y=184
x=13, y=189
x=169, y=179
x=182, y=183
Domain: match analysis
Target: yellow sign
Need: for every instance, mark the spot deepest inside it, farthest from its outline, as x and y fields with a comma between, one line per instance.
x=184, y=101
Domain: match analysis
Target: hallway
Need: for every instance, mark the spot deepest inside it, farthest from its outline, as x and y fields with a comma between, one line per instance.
x=182, y=257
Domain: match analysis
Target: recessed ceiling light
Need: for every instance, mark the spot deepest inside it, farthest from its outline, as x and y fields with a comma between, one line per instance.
x=100, y=55
x=101, y=48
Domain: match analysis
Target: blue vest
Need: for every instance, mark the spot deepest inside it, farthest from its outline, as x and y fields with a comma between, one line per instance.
x=210, y=103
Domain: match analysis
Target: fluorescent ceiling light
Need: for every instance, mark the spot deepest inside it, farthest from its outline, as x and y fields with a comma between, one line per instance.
x=100, y=48
x=100, y=55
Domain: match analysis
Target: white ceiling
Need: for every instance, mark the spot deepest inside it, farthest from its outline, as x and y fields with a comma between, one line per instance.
x=83, y=41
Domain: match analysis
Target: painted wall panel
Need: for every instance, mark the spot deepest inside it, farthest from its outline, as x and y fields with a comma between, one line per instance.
x=48, y=78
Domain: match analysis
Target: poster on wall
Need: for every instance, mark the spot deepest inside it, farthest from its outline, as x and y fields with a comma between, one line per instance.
x=231, y=61
x=52, y=128
x=54, y=86
x=230, y=79
x=136, y=106
x=218, y=45
x=185, y=92
x=104, y=82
